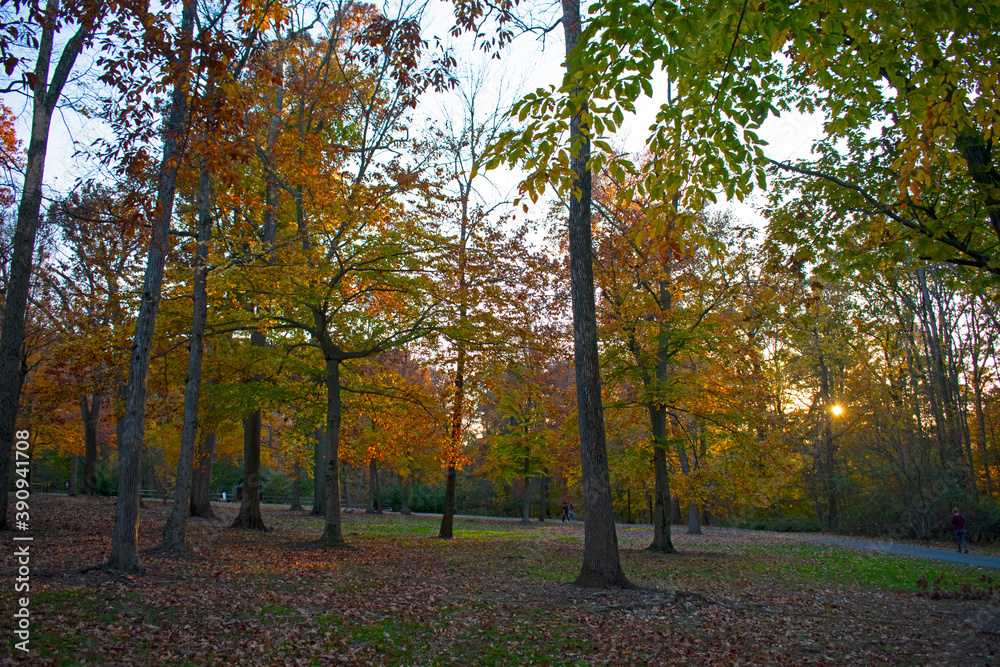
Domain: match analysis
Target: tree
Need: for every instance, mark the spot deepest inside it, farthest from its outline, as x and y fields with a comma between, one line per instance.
x=90, y=296
x=360, y=286
x=45, y=84
x=601, y=565
x=124, y=544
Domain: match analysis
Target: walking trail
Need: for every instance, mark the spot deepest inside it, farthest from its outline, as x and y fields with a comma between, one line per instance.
x=920, y=552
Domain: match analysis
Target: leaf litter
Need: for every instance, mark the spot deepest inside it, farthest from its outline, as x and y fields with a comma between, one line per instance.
x=499, y=594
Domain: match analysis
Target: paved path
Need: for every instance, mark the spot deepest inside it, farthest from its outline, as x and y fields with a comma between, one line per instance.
x=920, y=552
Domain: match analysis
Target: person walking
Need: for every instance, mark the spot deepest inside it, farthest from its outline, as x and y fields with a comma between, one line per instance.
x=565, y=509
x=958, y=525
x=572, y=514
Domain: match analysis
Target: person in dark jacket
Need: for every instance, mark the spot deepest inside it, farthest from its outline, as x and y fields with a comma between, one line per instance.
x=958, y=524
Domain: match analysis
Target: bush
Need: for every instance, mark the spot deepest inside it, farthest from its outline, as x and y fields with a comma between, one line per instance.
x=274, y=486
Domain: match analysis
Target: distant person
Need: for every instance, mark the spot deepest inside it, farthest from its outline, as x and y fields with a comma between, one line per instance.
x=565, y=515
x=572, y=514
x=223, y=496
x=958, y=524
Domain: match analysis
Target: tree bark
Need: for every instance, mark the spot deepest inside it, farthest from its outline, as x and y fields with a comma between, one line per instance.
x=201, y=478
x=526, y=484
x=601, y=563
x=333, y=529
x=374, y=492
x=448, y=516
x=977, y=385
x=175, y=530
x=319, y=475
x=45, y=95
x=125, y=536
x=661, y=486
x=458, y=404
x=543, y=496
x=694, y=520
x=405, y=510
x=91, y=414
x=297, y=489
x=250, y=517
x=829, y=472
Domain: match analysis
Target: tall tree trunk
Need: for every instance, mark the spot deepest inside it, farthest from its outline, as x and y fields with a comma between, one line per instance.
x=201, y=478
x=374, y=492
x=661, y=488
x=91, y=414
x=45, y=95
x=448, y=515
x=458, y=406
x=125, y=536
x=658, y=418
x=319, y=475
x=694, y=520
x=250, y=517
x=175, y=530
x=977, y=384
x=526, y=484
x=830, y=472
x=543, y=496
x=333, y=529
x=405, y=510
x=297, y=488
x=601, y=563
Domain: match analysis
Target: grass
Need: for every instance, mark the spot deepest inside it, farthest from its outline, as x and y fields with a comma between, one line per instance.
x=498, y=594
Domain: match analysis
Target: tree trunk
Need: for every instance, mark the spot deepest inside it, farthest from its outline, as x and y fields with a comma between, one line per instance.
x=297, y=489
x=201, y=478
x=526, y=483
x=830, y=472
x=661, y=487
x=601, y=563
x=91, y=414
x=175, y=530
x=374, y=492
x=405, y=510
x=543, y=496
x=448, y=517
x=124, y=539
x=333, y=529
x=977, y=384
x=675, y=510
x=694, y=520
x=319, y=475
x=45, y=95
x=457, y=414
x=250, y=517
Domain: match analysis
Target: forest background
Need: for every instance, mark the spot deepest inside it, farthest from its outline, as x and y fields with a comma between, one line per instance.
x=281, y=276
